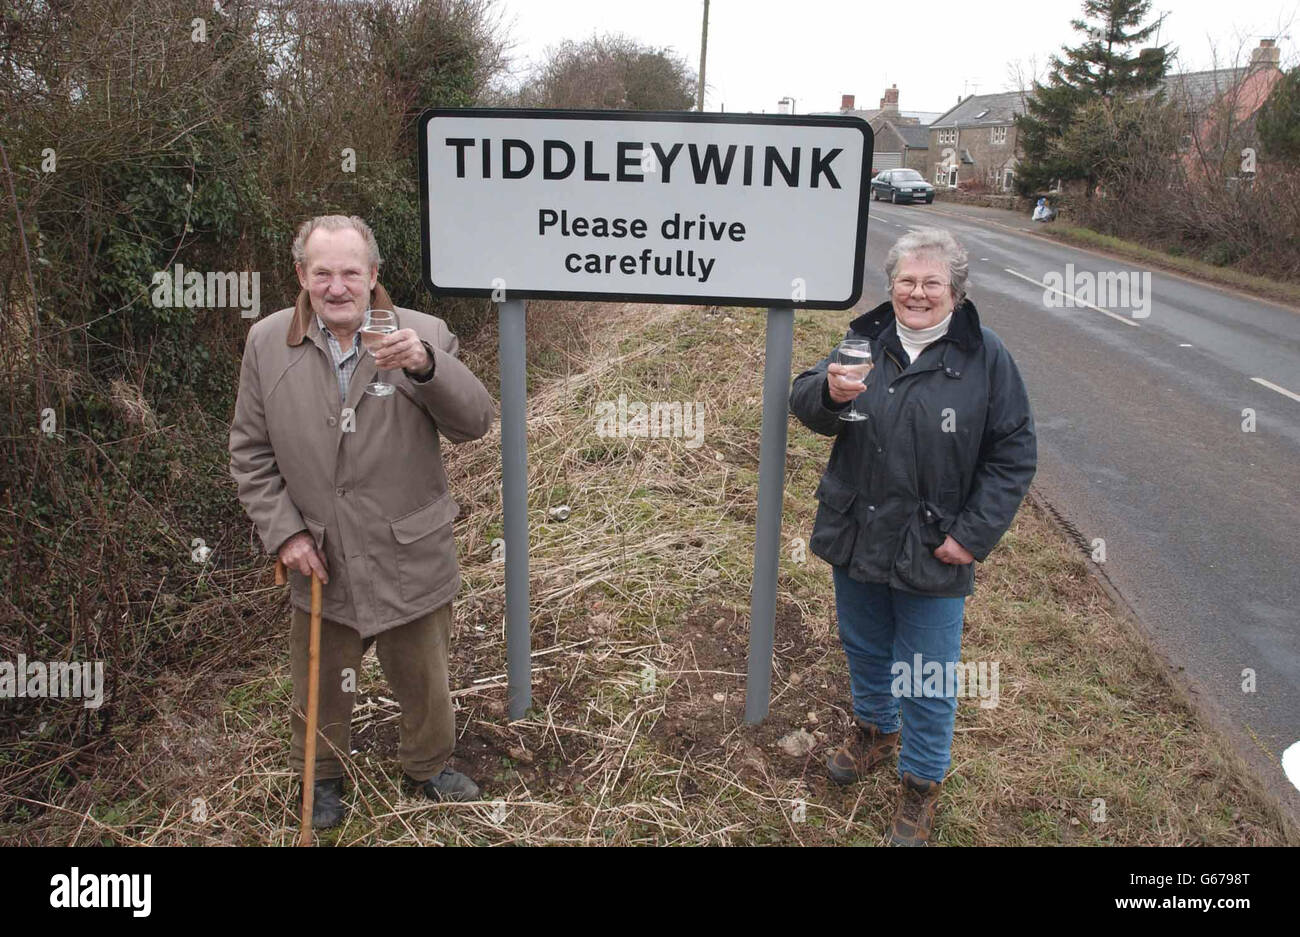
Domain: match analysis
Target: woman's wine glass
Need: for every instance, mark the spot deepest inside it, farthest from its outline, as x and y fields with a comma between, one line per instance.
x=855, y=356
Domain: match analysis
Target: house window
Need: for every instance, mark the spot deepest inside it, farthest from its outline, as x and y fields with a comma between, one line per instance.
x=1008, y=181
x=947, y=136
x=940, y=176
x=998, y=135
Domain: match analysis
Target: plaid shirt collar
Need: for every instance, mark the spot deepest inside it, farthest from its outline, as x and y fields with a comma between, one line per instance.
x=345, y=363
x=335, y=347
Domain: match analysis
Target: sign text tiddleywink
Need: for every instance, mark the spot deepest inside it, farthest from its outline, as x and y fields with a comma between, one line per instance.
x=730, y=209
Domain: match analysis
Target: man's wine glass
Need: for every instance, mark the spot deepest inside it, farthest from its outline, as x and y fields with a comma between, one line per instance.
x=378, y=323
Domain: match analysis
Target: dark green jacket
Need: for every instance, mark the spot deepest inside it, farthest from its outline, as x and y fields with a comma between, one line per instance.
x=948, y=448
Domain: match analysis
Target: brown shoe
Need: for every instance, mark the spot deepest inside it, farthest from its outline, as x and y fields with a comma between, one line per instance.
x=914, y=816
x=865, y=748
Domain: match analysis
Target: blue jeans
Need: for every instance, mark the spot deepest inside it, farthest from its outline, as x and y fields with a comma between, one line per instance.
x=880, y=625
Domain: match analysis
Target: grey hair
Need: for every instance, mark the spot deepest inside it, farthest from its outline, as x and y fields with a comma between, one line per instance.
x=936, y=241
x=335, y=223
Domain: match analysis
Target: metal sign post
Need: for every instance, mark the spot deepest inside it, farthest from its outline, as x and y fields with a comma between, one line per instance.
x=771, y=497
x=514, y=500
x=635, y=206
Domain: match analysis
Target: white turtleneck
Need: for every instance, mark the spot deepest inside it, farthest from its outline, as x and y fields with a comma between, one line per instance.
x=915, y=340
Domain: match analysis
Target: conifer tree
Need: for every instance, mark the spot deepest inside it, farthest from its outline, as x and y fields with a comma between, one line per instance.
x=1279, y=120
x=1101, y=68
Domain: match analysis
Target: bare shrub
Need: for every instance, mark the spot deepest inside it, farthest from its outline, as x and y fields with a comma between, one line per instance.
x=141, y=134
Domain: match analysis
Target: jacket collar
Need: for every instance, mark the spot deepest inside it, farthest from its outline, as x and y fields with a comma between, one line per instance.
x=303, y=324
x=964, y=329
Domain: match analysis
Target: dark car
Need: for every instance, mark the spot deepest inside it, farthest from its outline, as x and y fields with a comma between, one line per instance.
x=902, y=185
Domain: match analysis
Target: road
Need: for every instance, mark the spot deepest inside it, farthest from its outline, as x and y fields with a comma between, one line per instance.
x=1143, y=443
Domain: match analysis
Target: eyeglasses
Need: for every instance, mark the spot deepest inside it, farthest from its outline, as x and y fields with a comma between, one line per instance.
x=907, y=285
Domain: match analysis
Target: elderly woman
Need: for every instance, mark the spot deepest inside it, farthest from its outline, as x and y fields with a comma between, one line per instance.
x=921, y=485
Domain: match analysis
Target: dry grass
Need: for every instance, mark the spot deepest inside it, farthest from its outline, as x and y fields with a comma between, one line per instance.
x=1250, y=282
x=640, y=604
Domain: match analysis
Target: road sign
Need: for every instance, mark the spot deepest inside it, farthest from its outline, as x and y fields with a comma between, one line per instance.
x=724, y=209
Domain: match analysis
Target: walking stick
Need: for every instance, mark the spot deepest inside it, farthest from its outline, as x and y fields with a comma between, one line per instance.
x=313, y=704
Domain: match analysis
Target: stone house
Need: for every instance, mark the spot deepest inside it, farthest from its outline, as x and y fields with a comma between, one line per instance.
x=976, y=142
x=900, y=136
x=905, y=145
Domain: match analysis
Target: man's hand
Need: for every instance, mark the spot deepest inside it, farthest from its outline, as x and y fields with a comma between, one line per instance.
x=952, y=552
x=402, y=349
x=842, y=388
x=299, y=552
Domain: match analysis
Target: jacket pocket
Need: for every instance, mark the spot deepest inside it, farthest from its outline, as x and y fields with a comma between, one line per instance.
x=426, y=552
x=301, y=585
x=916, y=566
x=836, y=528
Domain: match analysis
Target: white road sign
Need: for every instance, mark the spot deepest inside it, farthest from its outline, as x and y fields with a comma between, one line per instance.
x=729, y=209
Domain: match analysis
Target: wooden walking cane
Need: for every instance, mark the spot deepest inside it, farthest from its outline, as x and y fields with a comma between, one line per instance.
x=313, y=704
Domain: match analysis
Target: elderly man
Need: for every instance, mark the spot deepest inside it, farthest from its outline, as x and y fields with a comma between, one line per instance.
x=351, y=487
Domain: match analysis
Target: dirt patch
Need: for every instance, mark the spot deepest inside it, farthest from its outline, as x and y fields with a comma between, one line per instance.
x=705, y=708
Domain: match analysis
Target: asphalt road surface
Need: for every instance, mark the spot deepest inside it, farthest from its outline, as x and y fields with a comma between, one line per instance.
x=1143, y=443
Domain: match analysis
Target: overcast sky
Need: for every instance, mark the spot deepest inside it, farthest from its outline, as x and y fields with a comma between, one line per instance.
x=815, y=50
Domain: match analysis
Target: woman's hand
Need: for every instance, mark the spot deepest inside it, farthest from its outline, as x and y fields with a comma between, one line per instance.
x=842, y=388
x=952, y=552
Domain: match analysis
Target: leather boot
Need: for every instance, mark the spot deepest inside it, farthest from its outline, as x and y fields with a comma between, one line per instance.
x=446, y=785
x=327, y=803
x=914, y=815
x=865, y=748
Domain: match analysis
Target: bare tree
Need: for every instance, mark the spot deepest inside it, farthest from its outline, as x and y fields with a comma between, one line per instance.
x=611, y=72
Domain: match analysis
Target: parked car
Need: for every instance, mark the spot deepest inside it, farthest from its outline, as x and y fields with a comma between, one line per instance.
x=901, y=185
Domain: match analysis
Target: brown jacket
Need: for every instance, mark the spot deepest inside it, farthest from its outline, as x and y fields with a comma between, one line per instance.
x=375, y=498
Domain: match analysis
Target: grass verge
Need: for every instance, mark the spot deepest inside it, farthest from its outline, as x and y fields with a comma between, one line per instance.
x=640, y=603
x=1252, y=283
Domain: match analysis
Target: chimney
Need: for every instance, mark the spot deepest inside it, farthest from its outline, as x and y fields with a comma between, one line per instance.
x=1267, y=54
x=889, y=103
x=846, y=103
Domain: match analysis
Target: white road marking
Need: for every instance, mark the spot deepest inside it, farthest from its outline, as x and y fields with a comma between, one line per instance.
x=985, y=259
x=1281, y=390
x=1291, y=764
x=1184, y=345
x=1078, y=302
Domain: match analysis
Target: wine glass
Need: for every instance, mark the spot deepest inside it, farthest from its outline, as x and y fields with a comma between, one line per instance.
x=855, y=355
x=378, y=323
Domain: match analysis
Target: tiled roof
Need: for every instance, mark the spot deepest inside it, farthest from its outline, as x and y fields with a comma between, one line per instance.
x=916, y=136
x=983, y=110
x=1195, y=90
x=924, y=117
x=868, y=116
